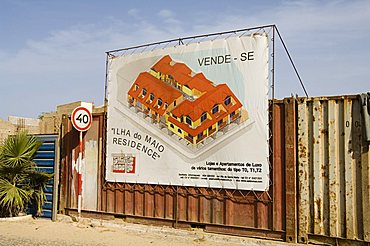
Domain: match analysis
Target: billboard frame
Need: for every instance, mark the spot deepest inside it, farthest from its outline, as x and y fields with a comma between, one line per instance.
x=267, y=29
x=271, y=31
x=192, y=39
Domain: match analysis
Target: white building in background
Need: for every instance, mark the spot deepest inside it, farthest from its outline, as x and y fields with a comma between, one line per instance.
x=15, y=124
x=48, y=123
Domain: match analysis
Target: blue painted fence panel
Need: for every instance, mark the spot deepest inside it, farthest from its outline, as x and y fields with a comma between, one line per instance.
x=45, y=160
x=45, y=169
x=44, y=163
x=45, y=155
x=47, y=147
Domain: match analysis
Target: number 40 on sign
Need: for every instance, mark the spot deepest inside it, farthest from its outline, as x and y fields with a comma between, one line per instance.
x=81, y=118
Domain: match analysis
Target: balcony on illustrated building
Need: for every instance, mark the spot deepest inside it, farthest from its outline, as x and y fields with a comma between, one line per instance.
x=221, y=124
x=211, y=131
x=189, y=138
x=234, y=117
x=146, y=110
x=200, y=138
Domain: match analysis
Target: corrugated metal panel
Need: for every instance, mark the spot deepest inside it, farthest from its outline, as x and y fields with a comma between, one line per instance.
x=237, y=212
x=90, y=169
x=278, y=132
x=333, y=169
x=319, y=181
x=45, y=160
x=91, y=164
x=290, y=170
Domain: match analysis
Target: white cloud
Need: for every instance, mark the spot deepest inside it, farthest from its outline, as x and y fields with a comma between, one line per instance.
x=328, y=41
x=165, y=13
x=136, y=14
x=133, y=12
x=67, y=65
x=172, y=24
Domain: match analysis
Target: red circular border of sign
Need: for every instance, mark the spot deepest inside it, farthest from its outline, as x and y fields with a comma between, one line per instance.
x=73, y=117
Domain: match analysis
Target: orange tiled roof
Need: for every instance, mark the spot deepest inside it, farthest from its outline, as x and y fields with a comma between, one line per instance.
x=182, y=74
x=181, y=67
x=163, y=65
x=200, y=82
x=180, y=77
x=194, y=109
x=153, y=85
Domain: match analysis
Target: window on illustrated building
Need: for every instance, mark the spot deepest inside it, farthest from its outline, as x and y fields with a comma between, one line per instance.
x=203, y=117
x=188, y=120
x=215, y=109
x=143, y=92
x=227, y=100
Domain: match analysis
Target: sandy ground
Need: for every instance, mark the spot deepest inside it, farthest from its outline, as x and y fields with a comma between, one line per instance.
x=96, y=232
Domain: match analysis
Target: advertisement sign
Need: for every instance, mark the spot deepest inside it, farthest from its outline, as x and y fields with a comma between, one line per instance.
x=191, y=115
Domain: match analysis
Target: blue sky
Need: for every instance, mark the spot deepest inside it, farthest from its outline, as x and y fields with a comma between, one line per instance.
x=53, y=52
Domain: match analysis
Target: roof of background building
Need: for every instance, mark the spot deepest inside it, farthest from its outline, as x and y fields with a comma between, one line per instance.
x=200, y=82
x=182, y=74
x=163, y=65
x=205, y=103
x=167, y=93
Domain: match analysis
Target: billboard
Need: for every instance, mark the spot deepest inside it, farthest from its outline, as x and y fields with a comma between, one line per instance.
x=190, y=115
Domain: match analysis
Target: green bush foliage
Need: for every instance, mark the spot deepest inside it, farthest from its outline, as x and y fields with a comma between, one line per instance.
x=20, y=183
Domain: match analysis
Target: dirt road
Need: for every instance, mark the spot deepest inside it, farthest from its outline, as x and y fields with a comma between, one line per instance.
x=96, y=232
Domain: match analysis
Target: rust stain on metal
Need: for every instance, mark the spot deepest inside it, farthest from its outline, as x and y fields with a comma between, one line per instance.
x=335, y=170
x=325, y=147
x=324, y=131
x=318, y=209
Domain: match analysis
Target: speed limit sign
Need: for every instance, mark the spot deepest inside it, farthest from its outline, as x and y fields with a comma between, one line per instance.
x=81, y=118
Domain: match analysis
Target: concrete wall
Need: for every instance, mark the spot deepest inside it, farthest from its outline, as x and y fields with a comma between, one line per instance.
x=48, y=123
x=16, y=124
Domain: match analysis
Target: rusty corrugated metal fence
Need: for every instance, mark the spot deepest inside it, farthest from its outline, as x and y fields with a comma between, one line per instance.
x=333, y=170
x=319, y=188
x=259, y=214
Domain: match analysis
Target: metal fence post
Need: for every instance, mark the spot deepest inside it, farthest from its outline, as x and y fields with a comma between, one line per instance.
x=290, y=169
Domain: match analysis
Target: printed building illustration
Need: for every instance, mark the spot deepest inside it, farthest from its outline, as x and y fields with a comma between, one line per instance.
x=186, y=103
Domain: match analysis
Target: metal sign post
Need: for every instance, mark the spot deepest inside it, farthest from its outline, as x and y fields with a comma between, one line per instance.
x=81, y=120
x=79, y=169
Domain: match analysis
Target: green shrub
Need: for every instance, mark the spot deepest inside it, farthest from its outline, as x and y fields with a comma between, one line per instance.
x=20, y=182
